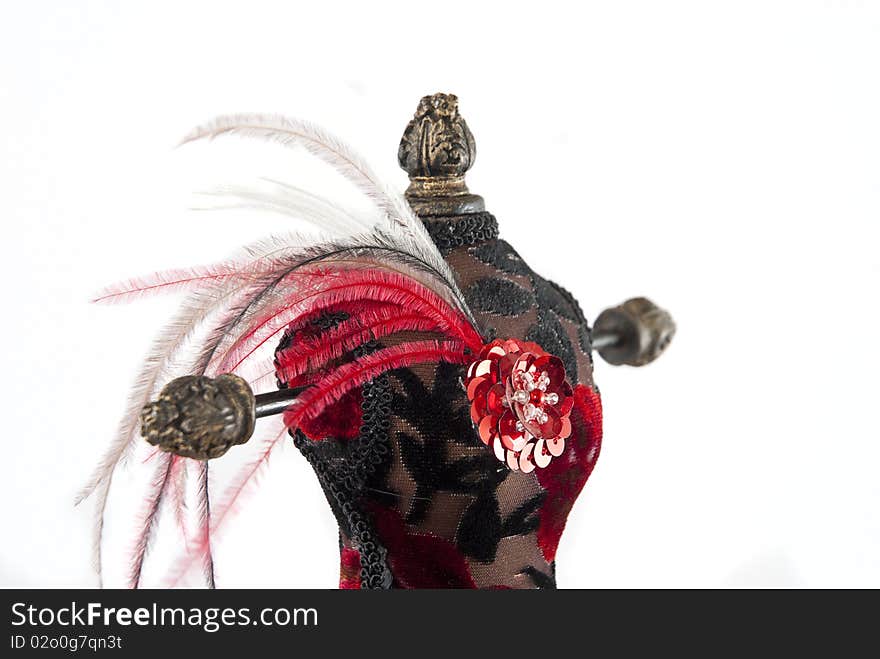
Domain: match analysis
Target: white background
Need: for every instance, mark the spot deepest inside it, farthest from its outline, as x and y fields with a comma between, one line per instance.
x=722, y=158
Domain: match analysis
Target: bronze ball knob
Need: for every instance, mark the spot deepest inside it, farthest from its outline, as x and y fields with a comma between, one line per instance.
x=633, y=333
x=200, y=417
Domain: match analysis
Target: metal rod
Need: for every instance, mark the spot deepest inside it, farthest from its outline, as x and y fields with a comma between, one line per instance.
x=602, y=340
x=275, y=402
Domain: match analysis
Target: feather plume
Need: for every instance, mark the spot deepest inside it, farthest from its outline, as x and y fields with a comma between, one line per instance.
x=296, y=203
x=237, y=306
x=167, y=281
x=327, y=288
x=291, y=132
x=315, y=353
x=348, y=376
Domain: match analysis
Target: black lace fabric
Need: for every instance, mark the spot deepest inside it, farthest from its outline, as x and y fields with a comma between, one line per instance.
x=420, y=501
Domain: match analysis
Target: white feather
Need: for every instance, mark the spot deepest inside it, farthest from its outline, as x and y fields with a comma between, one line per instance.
x=296, y=203
x=294, y=132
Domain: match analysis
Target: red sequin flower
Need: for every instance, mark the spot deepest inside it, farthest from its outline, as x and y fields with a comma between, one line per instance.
x=520, y=403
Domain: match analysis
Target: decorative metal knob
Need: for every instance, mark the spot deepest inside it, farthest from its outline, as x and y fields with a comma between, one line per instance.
x=436, y=150
x=633, y=333
x=200, y=417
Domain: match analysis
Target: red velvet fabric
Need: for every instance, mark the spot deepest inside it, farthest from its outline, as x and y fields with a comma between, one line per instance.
x=420, y=560
x=341, y=419
x=349, y=569
x=564, y=477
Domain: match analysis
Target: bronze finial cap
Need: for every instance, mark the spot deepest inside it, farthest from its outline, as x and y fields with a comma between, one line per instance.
x=633, y=333
x=200, y=417
x=436, y=150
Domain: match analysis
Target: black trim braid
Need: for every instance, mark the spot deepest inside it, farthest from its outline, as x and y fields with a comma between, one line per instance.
x=344, y=483
x=345, y=480
x=460, y=230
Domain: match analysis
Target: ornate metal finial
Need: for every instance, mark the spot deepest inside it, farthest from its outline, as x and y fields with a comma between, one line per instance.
x=436, y=150
x=200, y=417
x=633, y=333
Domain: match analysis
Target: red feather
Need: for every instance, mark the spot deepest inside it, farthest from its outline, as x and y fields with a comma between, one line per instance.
x=169, y=281
x=316, y=352
x=348, y=376
x=151, y=509
x=334, y=288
